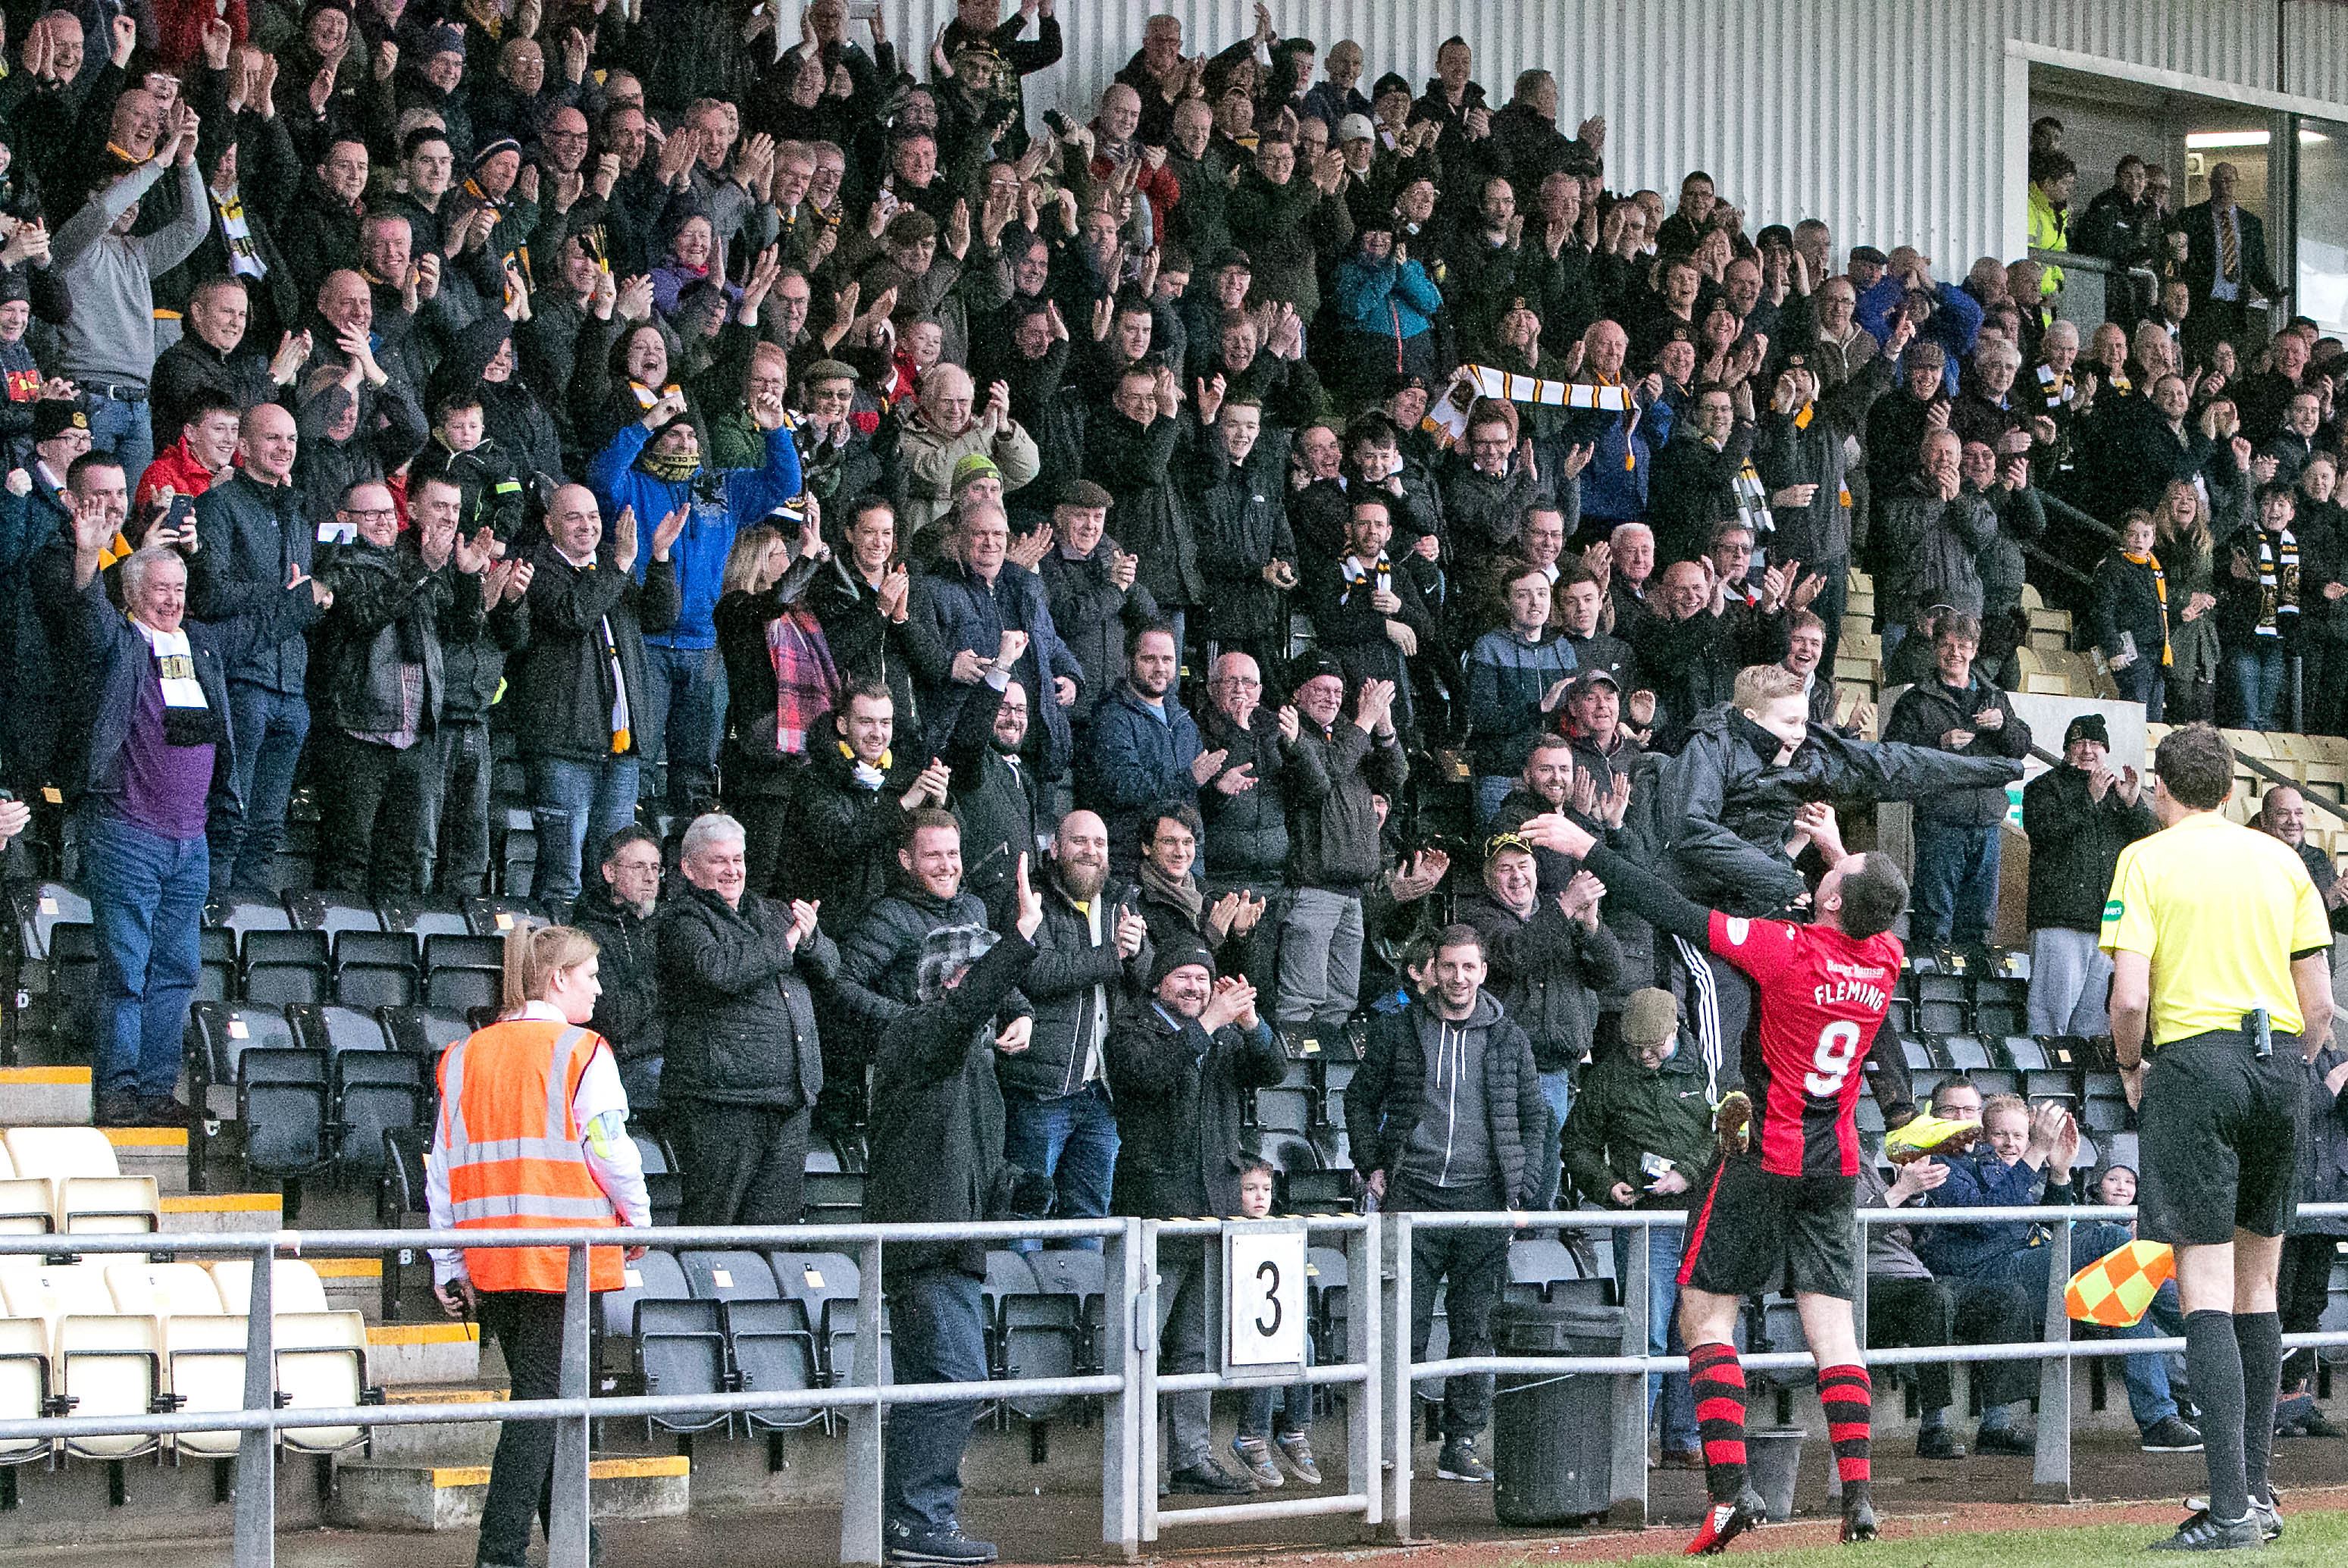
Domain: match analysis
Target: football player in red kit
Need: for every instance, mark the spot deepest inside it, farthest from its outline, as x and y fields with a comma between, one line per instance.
x=1779, y=1203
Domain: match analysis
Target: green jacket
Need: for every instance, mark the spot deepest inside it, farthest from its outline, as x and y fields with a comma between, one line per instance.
x=1623, y=1111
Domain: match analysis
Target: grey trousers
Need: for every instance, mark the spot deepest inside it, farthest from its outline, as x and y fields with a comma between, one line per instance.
x=1320, y=957
x=2070, y=982
x=1182, y=1348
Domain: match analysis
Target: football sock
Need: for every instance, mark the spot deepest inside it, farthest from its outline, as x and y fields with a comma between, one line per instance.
x=1717, y=1382
x=2259, y=1337
x=2213, y=1363
x=1849, y=1400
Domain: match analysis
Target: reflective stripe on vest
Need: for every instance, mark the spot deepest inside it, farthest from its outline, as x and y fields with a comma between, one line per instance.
x=531, y=1168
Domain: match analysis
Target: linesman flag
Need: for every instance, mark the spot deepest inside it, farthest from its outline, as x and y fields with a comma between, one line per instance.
x=2114, y=1291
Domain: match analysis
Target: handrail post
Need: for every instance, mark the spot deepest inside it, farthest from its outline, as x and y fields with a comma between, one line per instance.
x=1122, y=1413
x=568, y=1529
x=2050, y=1474
x=1146, y=1328
x=1396, y=1372
x=1366, y=1399
x=1627, y=1501
x=860, y=1493
x=257, y=1450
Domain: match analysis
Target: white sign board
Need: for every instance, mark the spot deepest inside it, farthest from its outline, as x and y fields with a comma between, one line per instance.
x=1264, y=1295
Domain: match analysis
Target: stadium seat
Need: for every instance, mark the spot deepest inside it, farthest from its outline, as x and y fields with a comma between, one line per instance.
x=1042, y=1337
x=774, y=1352
x=462, y=990
x=281, y=1099
x=218, y=1034
x=321, y=1353
x=1534, y=1265
x=425, y=918
x=73, y=978
x=1077, y=1272
x=216, y=980
x=334, y=1029
x=203, y=1346
x=680, y=1348
x=332, y=913
x=399, y=1200
x=45, y=908
x=2027, y=1054
x=831, y=1197
x=663, y=1187
x=493, y=917
x=27, y=1205
x=245, y=916
x=88, y=1191
x=826, y=1285
x=728, y=1275
x=1965, y=1053
x=106, y=1363
x=652, y=1277
x=1283, y=1109
x=1327, y=1191
x=1007, y=1273
x=374, y=985
x=25, y=1386
x=376, y=1092
x=1325, y=1299
x=423, y=1031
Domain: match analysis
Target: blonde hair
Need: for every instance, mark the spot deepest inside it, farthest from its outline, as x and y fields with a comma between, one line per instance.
x=1758, y=685
x=2195, y=535
x=1998, y=1103
x=745, y=562
x=536, y=953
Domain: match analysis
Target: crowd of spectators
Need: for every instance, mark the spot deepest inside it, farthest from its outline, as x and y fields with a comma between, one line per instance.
x=1038, y=579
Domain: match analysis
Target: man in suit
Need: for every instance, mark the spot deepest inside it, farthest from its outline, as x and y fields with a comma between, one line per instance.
x=2225, y=256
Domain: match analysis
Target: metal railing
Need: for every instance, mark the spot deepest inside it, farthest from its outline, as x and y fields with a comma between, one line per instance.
x=1377, y=1366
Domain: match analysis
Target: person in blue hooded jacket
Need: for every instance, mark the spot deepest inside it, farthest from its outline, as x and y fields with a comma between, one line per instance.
x=654, y=465
x=1388, y=304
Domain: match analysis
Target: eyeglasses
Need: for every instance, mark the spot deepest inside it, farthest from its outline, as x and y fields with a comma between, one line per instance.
x=371, y=514
x=1239, y=682
x=566, y=136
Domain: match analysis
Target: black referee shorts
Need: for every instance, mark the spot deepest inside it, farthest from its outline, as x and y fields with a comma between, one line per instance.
x=2218, y=1135
x=1758, y=1232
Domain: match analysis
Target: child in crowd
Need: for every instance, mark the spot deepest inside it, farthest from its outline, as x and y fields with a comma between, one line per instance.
x=1256, y=1443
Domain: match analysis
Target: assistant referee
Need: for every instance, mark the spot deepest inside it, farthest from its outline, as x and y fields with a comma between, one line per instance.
x=2213, y=930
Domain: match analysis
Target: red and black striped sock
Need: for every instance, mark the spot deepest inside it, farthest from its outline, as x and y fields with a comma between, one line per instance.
x=1849, y=1400
x=1717, y=1381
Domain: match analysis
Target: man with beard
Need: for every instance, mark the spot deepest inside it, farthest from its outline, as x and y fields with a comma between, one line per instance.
x=1058, y=1121
x=1145, y=746
x=997, y=795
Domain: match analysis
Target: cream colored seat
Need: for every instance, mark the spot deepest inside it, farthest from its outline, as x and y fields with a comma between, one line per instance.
x=204, y=1345
x=89, y=1193
x=25, y=1202
x=107, y=1362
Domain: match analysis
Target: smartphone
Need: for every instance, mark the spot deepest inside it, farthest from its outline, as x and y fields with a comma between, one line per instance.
x=863, y=10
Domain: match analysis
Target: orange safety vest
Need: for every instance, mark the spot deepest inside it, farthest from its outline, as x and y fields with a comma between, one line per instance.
x=515, y=1157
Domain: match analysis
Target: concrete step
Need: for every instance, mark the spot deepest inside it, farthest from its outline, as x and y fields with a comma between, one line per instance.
x=176, y=1501
x=158, y=1151
x=403, y=1355
x=439, y=1443
x=353, y=1284
x=46, y=1097
x=373, y=1494
x=220, y=1213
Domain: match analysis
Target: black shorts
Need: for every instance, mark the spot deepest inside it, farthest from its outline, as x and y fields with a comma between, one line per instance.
x=1755, y=1232
x=2218, y=1137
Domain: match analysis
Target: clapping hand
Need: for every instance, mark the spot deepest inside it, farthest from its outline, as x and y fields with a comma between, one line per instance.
x=1132, y=931
x=803, y=921
x=1233, y=1002
x=1579, y=898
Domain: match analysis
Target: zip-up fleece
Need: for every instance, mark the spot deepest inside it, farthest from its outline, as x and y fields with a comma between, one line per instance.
x=1396, y=1093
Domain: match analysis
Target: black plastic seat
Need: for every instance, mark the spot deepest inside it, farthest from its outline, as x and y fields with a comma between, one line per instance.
x=281, y=1099
x=423, y=1031
x=376, y=1092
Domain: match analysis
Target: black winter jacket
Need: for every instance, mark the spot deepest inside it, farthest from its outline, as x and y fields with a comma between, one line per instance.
x=1247, y=833
x=389, y=610
x=1060, y=985
x=2075, y=846
x=937, y=1118
x=742, y=1024
x=1543, y=970
x=250, y=536
x=1241, y=526
x=1387, y=1096
x=1929, y=710
x=562, y=680
x=843, y=837
x=1332, y=826
x=629, y=1012
x=880, y=962
x=1178, y=1111
x=1093, y=616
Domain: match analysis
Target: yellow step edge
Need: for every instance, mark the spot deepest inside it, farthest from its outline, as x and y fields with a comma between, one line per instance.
x=428, y=1395
x=43, y=1074
x=224, y=1204
x=348, y=1268
x=423, y=1333
x=146, y=1136
x=597, y=1469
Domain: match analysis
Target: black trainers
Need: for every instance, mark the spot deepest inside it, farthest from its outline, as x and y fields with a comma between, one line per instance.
x=2005, y=1441
x=1725, y=1521
x=1857, y=1516
x=2202, y=1532
x=909, y=1543
x=1457, y=1462
x=119, y=1110
x=1934, y=1443
x=1207, y=1478
x=2170, y=1436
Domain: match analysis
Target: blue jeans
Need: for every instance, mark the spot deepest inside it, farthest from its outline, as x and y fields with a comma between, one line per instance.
x=2146, y=1377
x=147, y=900
x=125, y=430
x=575, y=804
x=682, y=719
x=2256, y=673
x=1956, y=884
x=1491, y=788
x=1071, y=1139
x=2144, y=682
x=1663, y=1330
x=1557, y=1088
x=937, y=1322
x=248, y=816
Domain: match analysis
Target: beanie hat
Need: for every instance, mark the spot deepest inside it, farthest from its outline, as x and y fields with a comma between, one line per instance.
x=944, y=951
x=1179, y=955
x=972, y=468
x=1650, y=1016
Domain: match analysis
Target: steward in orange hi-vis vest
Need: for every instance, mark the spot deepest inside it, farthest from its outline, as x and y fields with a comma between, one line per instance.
x=516, y=1156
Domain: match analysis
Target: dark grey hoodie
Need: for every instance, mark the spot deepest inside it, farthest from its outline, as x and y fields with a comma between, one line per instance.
x=1450, y=1150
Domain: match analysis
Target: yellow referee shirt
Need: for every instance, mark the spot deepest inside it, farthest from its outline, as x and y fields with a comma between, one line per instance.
x=2219, y=909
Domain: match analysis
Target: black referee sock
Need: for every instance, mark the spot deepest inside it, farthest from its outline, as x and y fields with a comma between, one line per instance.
x=2260, y=1336
x=2213, y=1362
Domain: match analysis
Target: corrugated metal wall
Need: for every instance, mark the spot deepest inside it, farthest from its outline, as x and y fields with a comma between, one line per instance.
x=1884, y=117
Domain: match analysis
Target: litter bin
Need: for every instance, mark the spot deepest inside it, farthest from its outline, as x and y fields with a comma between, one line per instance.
x=1553, y=1433
x=1776, y=1455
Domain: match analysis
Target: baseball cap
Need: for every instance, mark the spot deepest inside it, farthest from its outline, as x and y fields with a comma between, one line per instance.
x=1589, y=680
x=1356, y=128
x=1499, y=844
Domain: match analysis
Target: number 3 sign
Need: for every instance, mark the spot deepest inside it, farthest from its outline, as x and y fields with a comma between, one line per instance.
x=1264, y=1295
